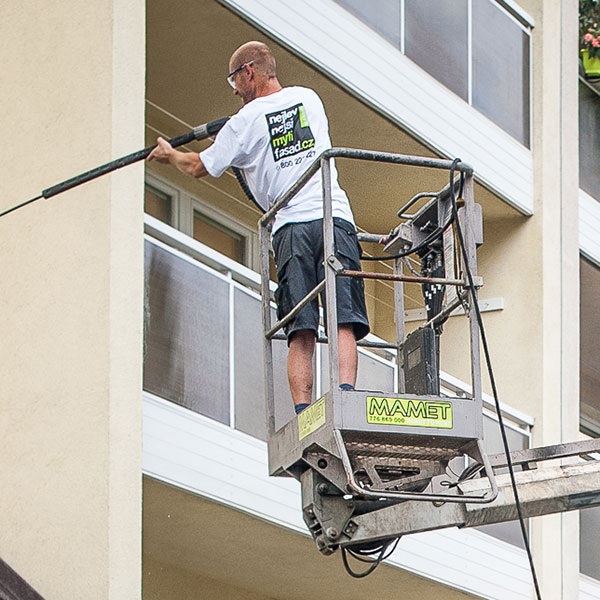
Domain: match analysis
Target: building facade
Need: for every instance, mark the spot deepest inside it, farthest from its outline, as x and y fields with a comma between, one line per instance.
x=133, y=424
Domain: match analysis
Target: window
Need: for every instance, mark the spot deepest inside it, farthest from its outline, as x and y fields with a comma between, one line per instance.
x=158, y=204
x=219, y=237
x=202, y=221
x=383, y=16
x=476, y=48
x=436, y=39
x=501, y=69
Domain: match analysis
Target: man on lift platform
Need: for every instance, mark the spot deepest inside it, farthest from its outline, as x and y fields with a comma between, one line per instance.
x=274, y=138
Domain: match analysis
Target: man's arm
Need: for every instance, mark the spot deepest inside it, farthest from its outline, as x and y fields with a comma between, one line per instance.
x=187, y=162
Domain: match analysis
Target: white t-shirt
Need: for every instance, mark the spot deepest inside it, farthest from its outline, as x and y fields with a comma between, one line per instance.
x=274, y=139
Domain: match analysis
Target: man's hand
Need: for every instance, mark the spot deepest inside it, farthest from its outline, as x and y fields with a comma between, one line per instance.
x=187, y=162
x=162, y=152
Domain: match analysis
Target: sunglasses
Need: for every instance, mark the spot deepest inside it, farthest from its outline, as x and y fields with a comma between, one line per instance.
x=231, y=76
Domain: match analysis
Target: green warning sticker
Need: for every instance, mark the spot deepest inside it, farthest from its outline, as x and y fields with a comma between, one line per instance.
x=311, y=419
x=409, y=412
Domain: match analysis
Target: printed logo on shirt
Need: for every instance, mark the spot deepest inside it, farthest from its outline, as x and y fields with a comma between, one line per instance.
x=290, y=132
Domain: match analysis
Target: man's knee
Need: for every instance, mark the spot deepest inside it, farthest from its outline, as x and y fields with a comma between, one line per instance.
x=302, y=339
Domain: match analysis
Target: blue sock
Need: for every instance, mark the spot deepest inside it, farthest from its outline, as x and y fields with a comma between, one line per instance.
x=346, y=386
x=300, y=407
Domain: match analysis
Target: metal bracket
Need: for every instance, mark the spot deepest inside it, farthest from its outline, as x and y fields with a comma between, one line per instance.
x=365, y=492
x=325, y=512
x=334, y=262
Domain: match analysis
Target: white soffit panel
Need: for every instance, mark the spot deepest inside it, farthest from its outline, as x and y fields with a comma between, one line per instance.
x=327, y=35
x=200, y=455
x=589, y=227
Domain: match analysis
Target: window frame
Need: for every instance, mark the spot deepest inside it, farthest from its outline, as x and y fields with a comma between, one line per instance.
x=184, y=205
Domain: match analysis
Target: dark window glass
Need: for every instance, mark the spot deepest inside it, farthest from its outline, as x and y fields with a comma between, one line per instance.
x=383, y=16
x=436, y=39
x=501, y=69
x=219, y=238
x=157, y=204
x=589, y=141
x=589, y=348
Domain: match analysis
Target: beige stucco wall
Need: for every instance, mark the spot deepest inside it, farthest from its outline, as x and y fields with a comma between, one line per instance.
x=556, y=172
x=71, y=298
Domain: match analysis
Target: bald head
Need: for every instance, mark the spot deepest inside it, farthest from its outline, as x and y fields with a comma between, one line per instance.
x=264, y=61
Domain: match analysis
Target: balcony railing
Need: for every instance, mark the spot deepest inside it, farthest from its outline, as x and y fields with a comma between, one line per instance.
x=203, y=346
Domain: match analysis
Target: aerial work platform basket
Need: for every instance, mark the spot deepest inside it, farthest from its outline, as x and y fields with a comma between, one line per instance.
x=377, y=464
x=365, y=449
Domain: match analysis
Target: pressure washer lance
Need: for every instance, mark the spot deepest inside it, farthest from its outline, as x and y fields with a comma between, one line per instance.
x=200, y=132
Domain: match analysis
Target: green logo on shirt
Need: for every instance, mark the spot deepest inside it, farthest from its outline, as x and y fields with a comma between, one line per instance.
x=289, y=131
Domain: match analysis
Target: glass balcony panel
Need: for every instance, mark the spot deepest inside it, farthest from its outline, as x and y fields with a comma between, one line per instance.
x=589, y=348
x=250, y=414
x=186, y=341
x=383, y=16
x=436, y=39
x=373, y=374
x=589, y=542
x=589, y=140
x=501, y=69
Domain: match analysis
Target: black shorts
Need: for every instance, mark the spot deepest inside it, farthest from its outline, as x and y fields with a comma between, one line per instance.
x=299, y=259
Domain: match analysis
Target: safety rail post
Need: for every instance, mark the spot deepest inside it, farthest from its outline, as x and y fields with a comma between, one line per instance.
x=471, y=251
x=264, y=230
x=400, y=327
x=266, y=319
x=330, y=277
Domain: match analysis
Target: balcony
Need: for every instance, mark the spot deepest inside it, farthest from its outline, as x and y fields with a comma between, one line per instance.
x=203, y=308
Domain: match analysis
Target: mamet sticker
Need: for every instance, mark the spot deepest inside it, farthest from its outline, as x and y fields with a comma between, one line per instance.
x=409, y=412
x=311, y=419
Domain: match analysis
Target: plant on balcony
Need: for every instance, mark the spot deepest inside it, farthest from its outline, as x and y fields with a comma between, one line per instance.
x=589, y=36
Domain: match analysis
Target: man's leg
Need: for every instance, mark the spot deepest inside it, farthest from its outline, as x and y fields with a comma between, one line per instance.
x=299, y=365
x=347, y=353
x=300, y=357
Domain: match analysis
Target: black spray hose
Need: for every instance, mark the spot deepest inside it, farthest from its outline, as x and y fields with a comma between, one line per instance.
x=240, y=177
x=200, y=132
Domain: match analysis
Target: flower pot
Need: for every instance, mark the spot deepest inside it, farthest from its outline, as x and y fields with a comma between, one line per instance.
x=591, y=66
